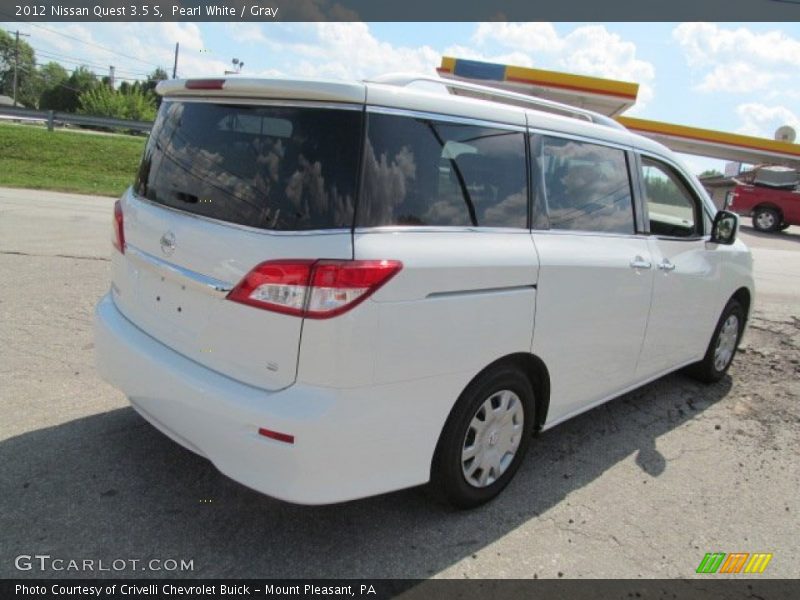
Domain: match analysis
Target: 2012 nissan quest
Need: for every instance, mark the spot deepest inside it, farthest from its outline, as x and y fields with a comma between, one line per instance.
x=333, y=290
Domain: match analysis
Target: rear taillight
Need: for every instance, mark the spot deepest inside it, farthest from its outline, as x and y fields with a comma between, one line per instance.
x=119, y=230
x=313, y=289
x=278, y=285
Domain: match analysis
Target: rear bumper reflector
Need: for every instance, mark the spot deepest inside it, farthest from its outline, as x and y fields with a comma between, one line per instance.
x=276, y=435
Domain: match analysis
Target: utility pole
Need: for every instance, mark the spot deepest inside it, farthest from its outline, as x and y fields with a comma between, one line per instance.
x=175, y=64
x=16, y=59
x=111, y=76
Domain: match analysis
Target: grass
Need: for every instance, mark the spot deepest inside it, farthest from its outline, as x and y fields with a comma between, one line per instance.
x=67, y=161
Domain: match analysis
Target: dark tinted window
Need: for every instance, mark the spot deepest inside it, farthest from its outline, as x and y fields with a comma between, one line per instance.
x=587, y=186
x=424, y=172
x=671, y=207
x=268, y=167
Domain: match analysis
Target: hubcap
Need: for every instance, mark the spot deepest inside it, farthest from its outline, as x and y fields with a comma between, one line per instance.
x=492, y=438
x=765, y=220
x=726, y=342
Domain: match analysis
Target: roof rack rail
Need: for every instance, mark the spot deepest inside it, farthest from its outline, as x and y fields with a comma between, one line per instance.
x=498, y=95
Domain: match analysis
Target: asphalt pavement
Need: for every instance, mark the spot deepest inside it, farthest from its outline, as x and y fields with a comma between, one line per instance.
x=643, y=486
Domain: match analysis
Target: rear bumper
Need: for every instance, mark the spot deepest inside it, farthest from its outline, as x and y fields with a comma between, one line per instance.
x=347, y=443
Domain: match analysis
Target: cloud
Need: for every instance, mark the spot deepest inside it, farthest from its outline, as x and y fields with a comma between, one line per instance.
x=135, y=49
x=706, y=43
x=350, y=50
x=737, y=77
x=341, y=50
x=737, y=60
x=247, y=33
x=596, y=51
x=529, y=37
x=762, y=120
x=60, y=42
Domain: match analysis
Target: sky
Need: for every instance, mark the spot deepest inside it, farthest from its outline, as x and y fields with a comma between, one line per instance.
x=736, y=77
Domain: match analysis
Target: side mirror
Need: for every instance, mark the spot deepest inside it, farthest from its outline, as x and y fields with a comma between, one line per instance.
x=723, y=231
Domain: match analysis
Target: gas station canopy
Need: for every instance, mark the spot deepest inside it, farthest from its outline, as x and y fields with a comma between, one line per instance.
x=717, y=144
x=612, y=98
x=606, y=96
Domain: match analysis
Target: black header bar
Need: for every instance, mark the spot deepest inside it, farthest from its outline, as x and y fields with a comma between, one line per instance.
x=399, y=10
x=706, y=587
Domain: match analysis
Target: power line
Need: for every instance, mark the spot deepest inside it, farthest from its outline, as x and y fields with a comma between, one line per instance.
x=59, y=58
x=56, y=57
x=49, y=54
x=73, y=64
x=77, y=39
x=59, y=83
x=77, y=60
x=65, y=86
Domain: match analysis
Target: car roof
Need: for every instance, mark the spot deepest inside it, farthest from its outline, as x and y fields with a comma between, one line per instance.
x=406, y=98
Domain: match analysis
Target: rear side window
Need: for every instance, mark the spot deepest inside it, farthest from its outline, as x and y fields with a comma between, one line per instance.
x=426, y=172
x=587, y=186
x=279, y=168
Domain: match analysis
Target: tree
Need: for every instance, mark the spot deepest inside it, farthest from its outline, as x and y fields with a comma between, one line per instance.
x=52, y=77
x=27, y=77
x=53, y=73
x=105, y=102
x=64, y=96
x=709, y=173
x=152, y=81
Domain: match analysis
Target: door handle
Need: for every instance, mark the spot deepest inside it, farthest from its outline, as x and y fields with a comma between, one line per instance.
x=666, y=265
x=640, y=263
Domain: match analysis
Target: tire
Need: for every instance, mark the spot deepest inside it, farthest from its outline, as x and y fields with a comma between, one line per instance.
x=766, y=219
x=505, y=398
x=723, y=345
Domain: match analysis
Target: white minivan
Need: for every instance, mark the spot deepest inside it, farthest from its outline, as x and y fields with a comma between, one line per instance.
x=333, y=290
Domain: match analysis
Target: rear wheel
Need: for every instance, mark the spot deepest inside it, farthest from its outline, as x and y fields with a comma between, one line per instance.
x=722, y=347
x=766, y=219
x=485, y=438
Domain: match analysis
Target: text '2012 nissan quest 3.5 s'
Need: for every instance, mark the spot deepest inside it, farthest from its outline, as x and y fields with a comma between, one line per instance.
x=333, y=290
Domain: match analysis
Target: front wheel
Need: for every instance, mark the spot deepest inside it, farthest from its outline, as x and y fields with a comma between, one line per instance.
x=723, y=345
x=766, y=219
x=485, y=438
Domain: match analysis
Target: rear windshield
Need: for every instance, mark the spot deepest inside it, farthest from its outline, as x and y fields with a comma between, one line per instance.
x=280, y=168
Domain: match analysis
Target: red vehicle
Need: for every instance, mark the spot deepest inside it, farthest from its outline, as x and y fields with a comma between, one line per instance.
x=772, y=209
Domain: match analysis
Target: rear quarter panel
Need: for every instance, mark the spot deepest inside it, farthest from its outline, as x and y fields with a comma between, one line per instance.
x=461, y=301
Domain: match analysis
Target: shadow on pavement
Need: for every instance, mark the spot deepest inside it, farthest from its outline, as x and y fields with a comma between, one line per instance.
x=111, y=486
x=789, y=235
